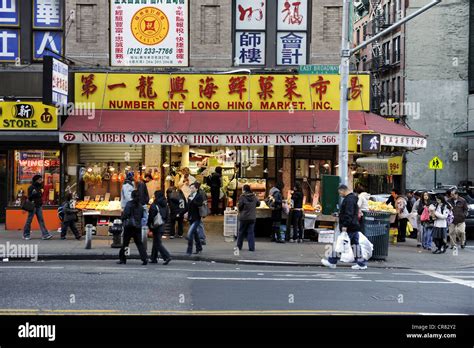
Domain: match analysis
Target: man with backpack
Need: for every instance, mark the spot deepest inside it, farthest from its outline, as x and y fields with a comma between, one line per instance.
x=178, y=205
x=68, y=216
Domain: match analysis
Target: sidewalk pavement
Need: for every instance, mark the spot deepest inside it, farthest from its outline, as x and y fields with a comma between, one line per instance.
x=402, y=255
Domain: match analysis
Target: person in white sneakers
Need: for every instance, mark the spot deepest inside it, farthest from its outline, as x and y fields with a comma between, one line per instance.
x=348, y=222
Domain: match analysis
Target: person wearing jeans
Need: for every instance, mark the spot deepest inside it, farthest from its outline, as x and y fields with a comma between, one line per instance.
x=35, y=196
x=348, y=222
x=247, y=205
x=159, y=206
x=426, y=220
x=194, y=202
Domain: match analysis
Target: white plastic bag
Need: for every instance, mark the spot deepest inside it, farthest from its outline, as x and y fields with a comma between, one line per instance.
x=366, y=246
x=341, y=242
x=348, y=255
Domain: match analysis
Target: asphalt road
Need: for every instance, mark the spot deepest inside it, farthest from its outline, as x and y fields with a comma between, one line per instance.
x=185, y=287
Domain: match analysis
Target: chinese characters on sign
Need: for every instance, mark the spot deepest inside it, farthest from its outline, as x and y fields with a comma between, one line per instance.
x=9, y=13
x=291, y=48
x=250, y=14
x=117, y=91
x=47, y=24
x=292, y=14
x=250, y=18
x=9, y=45
x=149, y=33
x=27, y=116
x=250, y=48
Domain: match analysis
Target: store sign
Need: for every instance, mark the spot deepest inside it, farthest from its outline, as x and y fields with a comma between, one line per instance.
x=149, y=33
x=395, y=165
x=48, y=14
x=47, y=43
x=9, y=45
x=370, y=143
x=250, y=14
x=9, y=13
x=292, y=15
x=55, y=82
x=217, y=92
x=403, y=141
x=198, y=139
x=291, y=48
x=250, y=48
x=27, y=116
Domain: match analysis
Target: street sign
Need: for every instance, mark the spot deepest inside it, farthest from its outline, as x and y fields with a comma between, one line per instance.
x=318, y=69
x=370, y=143
x=436, y=163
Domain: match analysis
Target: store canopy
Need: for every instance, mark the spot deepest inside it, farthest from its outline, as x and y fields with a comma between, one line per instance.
x=230, y=128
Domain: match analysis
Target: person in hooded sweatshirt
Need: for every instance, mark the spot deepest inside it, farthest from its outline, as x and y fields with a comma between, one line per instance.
x=132, y=217
x=35, y=196
x=297, y=216
x=160, y=206
x=127, y=188
x=247, y=205
x=215, y=182
x=275, y=201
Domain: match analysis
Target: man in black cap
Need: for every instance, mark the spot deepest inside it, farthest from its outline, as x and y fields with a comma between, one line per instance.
x=35, y=195
x=348, y=222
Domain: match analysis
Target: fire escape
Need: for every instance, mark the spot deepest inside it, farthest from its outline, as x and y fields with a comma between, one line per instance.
x=380, y=62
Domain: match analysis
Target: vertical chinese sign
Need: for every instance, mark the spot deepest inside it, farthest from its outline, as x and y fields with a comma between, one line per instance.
x=250, y=28
x=9, y=31
x=292, y=32
x=48, y=35
x=149, y=33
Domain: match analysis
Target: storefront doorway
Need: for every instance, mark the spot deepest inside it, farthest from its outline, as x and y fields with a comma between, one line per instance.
x=3, y=186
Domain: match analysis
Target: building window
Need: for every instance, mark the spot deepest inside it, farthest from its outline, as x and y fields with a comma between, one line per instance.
x=396, y=49
x=394, y=90
x=210, y=24
x=29, y=163
x=399, y=92
x=87, y=23
x=386, y=53
x=364, y=31
x=358, y=36
x=389, y=8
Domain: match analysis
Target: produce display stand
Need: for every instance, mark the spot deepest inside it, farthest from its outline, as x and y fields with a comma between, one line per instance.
x=93, y=216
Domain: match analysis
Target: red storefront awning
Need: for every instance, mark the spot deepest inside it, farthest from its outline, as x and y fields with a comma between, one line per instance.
x=229, y=128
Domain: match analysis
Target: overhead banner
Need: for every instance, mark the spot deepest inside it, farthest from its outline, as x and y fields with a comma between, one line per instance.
x=149, y=33
x=218, y=92
x=27, y=116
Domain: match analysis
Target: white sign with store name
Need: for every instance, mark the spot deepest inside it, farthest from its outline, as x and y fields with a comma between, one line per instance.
x=215, y=139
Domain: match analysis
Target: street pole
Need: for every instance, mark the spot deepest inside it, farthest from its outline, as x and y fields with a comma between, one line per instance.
x=344, y=109
x=346, y=53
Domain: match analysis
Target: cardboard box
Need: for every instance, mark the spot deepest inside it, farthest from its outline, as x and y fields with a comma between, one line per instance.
x=326, y=236
x=102, y=230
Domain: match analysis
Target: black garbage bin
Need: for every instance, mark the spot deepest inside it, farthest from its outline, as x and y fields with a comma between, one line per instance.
x=376, y=227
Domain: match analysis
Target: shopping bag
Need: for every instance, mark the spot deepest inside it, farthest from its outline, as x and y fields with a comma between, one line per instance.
x=409, y=229
x=343, y=243
x=425, y=215
x=366, y=246
x=348, y=255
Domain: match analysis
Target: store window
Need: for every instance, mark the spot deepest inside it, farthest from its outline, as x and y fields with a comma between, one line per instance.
x=27, y=164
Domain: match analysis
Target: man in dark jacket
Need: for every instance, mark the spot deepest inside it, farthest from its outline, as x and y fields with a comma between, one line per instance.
x=178, y=206
x=215, y=183
x=35, y=196
x=132, y=217
x=247, y=205
x=348, y=222
x=275, y=202
x=144, y=197
x=194, y=202
x=457, y=230
x=69, y=219
x=159, y=206
x=297, y=216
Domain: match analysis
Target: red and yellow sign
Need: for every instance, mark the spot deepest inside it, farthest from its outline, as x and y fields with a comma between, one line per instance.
x=218, y=92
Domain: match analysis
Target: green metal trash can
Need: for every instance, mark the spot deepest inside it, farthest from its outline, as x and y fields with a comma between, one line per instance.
x=376, y=227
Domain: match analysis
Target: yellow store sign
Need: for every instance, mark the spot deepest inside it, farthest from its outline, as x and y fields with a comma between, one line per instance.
x=395, y=165
x=218, y=92
x=27, y=116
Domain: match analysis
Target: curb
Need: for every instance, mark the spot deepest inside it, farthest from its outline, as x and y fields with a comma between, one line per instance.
x=52, y=257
